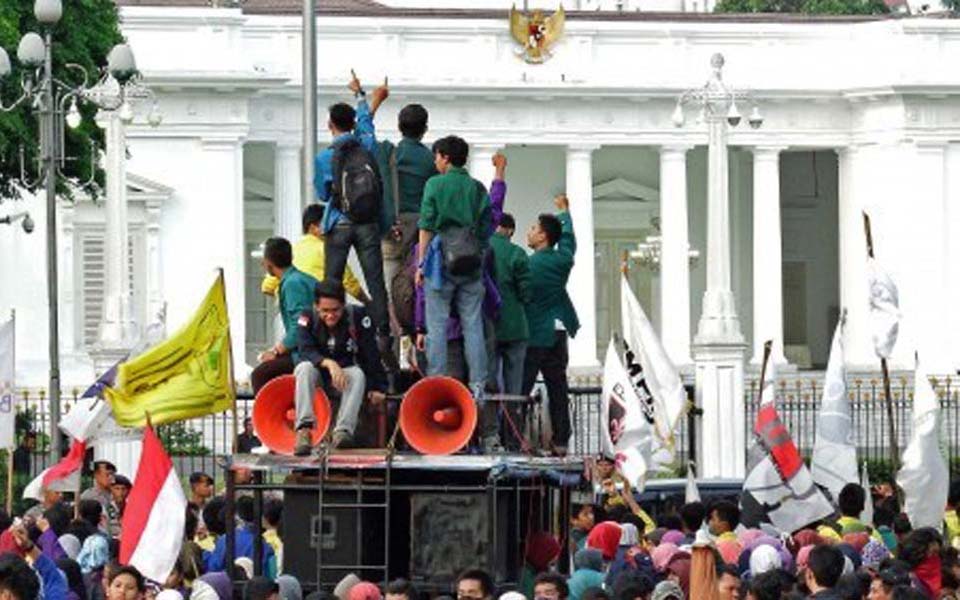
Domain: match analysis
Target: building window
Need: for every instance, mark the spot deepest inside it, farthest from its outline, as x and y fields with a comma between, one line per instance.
x=92, y=279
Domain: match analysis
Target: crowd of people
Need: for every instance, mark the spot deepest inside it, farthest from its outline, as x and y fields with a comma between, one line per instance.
x=613, y=550
x=441, y=270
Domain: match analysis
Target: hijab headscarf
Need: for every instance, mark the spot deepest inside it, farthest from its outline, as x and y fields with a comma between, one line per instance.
x=729, y=551
x=217, y=582
x=662, y=554
x=365, y=591
x=672, y=537
x=542, y=549
x=588, y=558
x=873, y=553
x=605, y=537
x=680, y=566
x=289, y=588
x=764, y=558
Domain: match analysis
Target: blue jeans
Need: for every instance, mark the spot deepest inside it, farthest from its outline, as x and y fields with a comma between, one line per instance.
x=467, y=296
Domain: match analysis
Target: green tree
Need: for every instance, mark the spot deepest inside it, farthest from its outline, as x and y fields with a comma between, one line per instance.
x=809, y=7
x=84, y=36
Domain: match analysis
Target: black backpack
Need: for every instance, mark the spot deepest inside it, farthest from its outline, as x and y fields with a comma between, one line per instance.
x=462, y=250
x=357, y=189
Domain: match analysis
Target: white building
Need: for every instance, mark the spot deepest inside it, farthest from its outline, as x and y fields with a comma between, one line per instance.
x=860, y=113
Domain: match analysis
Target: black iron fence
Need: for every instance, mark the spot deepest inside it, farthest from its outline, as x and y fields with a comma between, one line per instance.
x=798, y=402
x=197, y=444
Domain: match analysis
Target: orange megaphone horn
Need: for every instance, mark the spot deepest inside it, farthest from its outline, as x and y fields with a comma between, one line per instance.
x=275, y=415
x=438, y=415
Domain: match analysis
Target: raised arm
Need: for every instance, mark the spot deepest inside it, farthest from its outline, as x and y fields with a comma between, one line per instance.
x=568, y=241
x=498, y=189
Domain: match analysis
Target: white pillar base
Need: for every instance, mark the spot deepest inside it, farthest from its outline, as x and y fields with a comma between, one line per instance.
x=721, y=429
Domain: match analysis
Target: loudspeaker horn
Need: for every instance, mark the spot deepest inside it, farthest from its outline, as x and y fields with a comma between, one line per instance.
x=275, y=415
x=438, y=415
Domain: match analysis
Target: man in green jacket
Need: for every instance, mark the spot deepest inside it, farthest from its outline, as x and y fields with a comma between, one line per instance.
x=512, y=274
x=455, y=207
x=551, y=316
x=296, y=296
x=412, y=163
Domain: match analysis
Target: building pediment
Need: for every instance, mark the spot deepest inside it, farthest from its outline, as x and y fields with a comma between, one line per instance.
x=141, y=189
x=625, y=189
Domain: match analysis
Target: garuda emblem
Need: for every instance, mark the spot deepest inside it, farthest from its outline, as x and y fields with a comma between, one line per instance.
x=536, y=33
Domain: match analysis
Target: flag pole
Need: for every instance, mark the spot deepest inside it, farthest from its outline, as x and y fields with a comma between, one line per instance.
x=767, y=348
x=233, y=380
x=885, y=369
x=13, y=321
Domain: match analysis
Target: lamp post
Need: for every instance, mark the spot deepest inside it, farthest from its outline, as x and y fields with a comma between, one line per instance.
x=49, y=97
x=717, y=104
x=719, y=348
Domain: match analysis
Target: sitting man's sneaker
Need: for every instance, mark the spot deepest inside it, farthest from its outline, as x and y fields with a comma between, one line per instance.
x=304, y=442
x=341, y=439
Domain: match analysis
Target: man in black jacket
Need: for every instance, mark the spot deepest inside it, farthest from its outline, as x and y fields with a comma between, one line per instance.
x=337, y=343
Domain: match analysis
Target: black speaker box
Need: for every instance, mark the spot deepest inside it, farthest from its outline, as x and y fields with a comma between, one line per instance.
x=342, y=539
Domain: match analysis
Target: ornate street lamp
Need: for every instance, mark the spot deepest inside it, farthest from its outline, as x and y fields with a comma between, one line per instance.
x=117, y=86
x=719, y=105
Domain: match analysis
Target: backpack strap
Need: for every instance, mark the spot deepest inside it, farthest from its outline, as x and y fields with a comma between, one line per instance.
x=395, y=184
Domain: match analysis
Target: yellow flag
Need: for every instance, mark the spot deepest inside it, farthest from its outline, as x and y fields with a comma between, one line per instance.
x=188, y=375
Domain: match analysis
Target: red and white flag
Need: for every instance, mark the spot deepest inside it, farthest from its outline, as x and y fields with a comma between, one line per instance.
x=61, y=477
x=153, y=519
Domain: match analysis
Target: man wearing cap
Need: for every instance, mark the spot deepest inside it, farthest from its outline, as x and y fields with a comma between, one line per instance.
x=201, y=488
x=337, y=347
x=119, y=492
x=103, y=472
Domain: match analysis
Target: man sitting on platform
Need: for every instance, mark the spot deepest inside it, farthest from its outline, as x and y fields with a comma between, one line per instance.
x=338, y=343
x=296, y=292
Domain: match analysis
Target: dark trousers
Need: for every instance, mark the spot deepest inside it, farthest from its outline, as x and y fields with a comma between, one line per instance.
x=365, y=239
x=552, y=363
x=265, y=371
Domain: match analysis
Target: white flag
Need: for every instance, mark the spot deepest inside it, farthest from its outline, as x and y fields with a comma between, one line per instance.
x=867, y=515
x=692, y=492
x=834, y=462
x=627, y=435
x=924, y=476
x=884, y=309
x=648, y=364
x=8, y=396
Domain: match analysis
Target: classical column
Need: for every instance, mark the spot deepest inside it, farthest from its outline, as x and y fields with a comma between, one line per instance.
x=154, y=278
x=118, y=332
x=287, y=199
x=223, y=159
x=953, y=246
x=854, y=296
x=674, y=255
x=767, y=254
x=922, y=232
x=719, y=348
x=481, y=162
x=583, y=280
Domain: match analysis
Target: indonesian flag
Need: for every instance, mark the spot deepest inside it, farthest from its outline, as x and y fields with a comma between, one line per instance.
x=779, y=488
x=61, y=477
x=153, y=519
